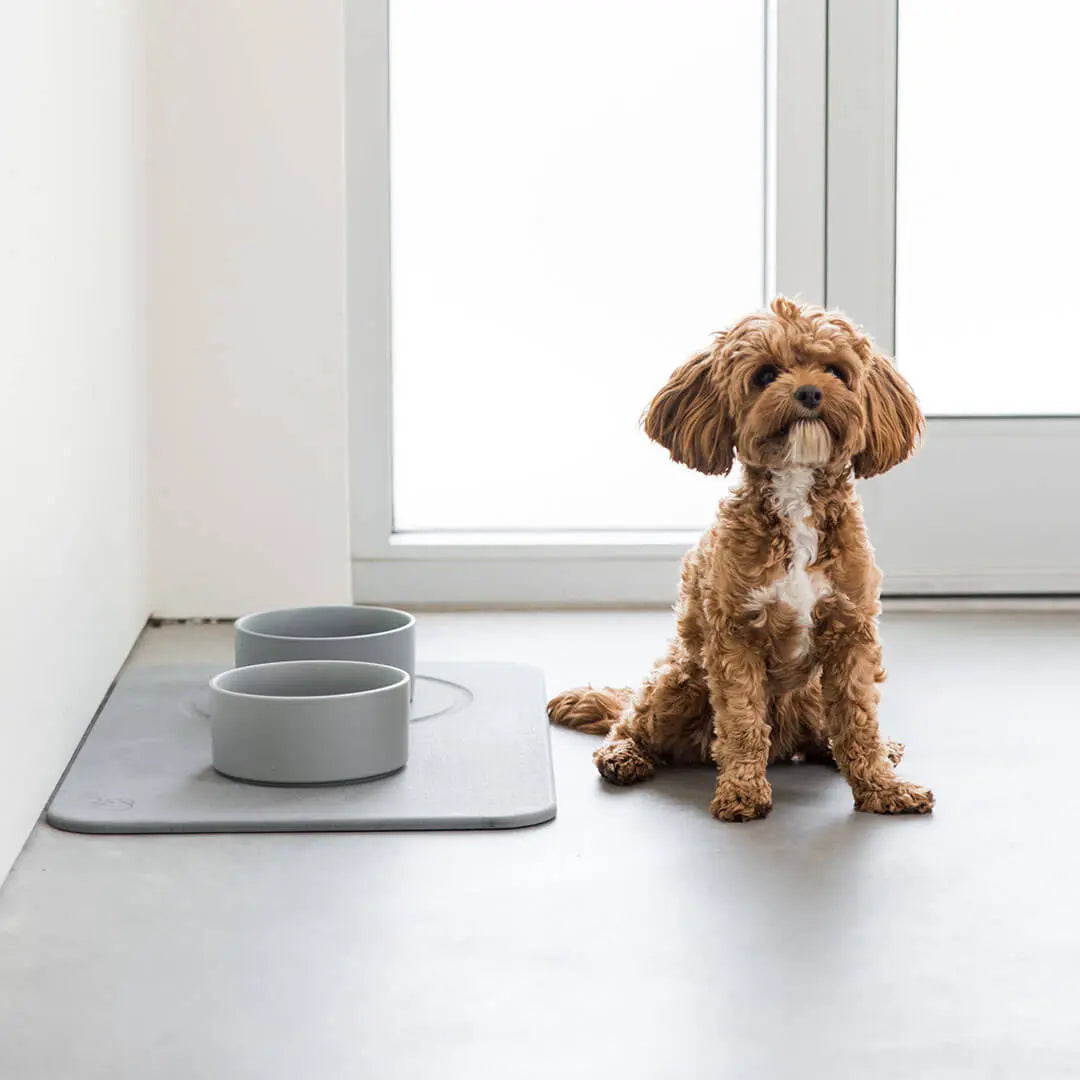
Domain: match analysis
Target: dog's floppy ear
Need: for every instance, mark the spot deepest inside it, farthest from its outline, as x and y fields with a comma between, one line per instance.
x=690, y=418
x=894, y=421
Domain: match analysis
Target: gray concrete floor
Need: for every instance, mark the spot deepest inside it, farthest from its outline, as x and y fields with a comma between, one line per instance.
x=634, y=936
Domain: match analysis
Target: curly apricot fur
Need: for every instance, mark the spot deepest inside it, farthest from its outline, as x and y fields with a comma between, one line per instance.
x=776, y=654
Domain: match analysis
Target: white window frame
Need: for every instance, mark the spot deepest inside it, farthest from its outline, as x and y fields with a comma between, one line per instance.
x=564, y=568
x=830, y=221
x=977, y=511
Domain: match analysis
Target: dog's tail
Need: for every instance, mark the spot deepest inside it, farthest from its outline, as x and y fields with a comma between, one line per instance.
x=588, y=708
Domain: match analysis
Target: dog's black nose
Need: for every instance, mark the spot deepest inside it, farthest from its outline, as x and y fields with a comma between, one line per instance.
x=808, y=396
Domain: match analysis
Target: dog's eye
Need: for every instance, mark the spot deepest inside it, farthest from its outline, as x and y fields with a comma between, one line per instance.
x=836, y=372
x=765, y=375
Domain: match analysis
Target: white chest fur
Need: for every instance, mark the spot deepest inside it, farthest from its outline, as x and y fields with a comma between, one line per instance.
x=800, y=588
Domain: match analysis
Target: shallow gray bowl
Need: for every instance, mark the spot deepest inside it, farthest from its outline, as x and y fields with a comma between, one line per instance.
x=376, y=635
x=309, y=721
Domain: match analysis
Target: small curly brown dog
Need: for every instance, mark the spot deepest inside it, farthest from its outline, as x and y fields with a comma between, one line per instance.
x=776, y=655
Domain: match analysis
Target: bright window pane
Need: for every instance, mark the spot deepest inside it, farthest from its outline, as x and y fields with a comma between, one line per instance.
x=988, y=219
x=577, y=192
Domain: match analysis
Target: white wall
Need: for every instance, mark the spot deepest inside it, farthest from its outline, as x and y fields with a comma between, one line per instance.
x=249, y=430
x=72, y=433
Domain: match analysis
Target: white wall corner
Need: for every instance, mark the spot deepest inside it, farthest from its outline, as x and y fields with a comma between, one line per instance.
x=73, y=551
x=248, y=393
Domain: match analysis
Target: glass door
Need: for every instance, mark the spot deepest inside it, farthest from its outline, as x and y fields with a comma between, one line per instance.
x=566, y=228
x=553, y=204
x=980, y=307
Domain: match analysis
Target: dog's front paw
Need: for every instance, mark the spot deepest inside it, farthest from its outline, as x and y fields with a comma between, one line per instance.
x=741, y=800
x=900, y=797
x=622, y=761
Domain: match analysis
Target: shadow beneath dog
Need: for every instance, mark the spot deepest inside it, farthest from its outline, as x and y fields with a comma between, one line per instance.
x=795, y=785
x=813, y=859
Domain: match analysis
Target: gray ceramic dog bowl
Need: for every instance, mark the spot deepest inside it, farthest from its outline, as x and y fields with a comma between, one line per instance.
x=309, y=721
x=376, y=635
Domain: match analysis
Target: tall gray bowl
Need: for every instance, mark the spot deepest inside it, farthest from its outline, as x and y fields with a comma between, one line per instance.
x=374, y=635
x=309, y=721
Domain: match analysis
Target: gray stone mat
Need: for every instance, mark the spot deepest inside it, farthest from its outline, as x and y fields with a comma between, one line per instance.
x=479, y=758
